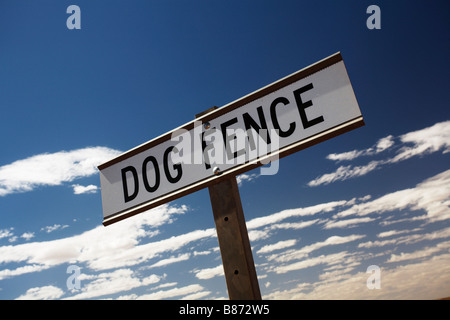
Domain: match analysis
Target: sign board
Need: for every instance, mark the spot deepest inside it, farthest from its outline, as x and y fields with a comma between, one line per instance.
x=300, y=110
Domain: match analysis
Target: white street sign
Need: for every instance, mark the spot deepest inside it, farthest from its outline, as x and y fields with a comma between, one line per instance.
x=303, y=109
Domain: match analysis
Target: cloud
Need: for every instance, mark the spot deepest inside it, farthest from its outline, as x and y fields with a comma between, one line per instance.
x=113, y=282
x=347, y=223
x=255, y=235
x=172, y=293
x=172, y=259
x=293, y=225
x=408, y=239
x=6, y=233
x=277, y=246
x=113, y=254
x=209, y=273
x=344, y=173
x=400, y=283
x=54, y=227
x=52, y=169
x=416, y=143
x=296, y=254
x=431, y=195
x=291, y=213
x=94, y=247
x=134, y=254
x=426, y=252
x=196, y=295
x=27, y=235
x=78, y=189
x=246, y=177
x=116, y=247
x=13, y=239
x=330, y=259
x=395, y=232
x=425, y=141
x=382, y=145
x=42, y=293
x=29, y=268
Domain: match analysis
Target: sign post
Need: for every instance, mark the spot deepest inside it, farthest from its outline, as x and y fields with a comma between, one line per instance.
x=303, y=109
x=237, y=259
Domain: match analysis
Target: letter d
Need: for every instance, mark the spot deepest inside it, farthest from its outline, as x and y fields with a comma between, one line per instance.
x=126, y=195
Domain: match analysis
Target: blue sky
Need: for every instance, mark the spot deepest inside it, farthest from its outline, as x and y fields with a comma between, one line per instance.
x=72, y=99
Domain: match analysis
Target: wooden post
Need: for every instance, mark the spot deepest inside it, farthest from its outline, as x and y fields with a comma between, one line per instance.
x=237, y=259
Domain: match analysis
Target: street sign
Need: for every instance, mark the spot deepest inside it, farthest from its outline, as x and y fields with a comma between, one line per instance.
x=291, y=114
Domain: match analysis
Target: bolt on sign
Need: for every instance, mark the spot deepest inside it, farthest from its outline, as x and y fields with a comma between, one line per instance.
x=291, y=114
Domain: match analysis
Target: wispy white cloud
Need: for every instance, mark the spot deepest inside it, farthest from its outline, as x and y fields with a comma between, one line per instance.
x=6, y=233
x=172, y=293
x=408, y=239
x=277, y=246
x=344, y=173
x=79, y=189
x=94, y=247
x=209, y=273
x=432, y=196
x=399, y=283
x=165, y=285
x=52, y=169
x=172, y=259
x=13, y=239
x=54, y=227
x=113, y=282
x=330, y=259
x=290, y=213
x=196, y=295
x=255, y=235
x=425, y=141
x=246, y=177
x=346, y=223
x=382, y=145
x=296, y=254
x=27, y=235
x=412, y=144
x=42, y=293
x=29, y=268
x=391, y=233
x=422, y=253
x=294, y=225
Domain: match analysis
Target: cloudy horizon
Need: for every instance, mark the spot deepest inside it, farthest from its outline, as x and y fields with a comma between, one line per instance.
x=138, y=260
